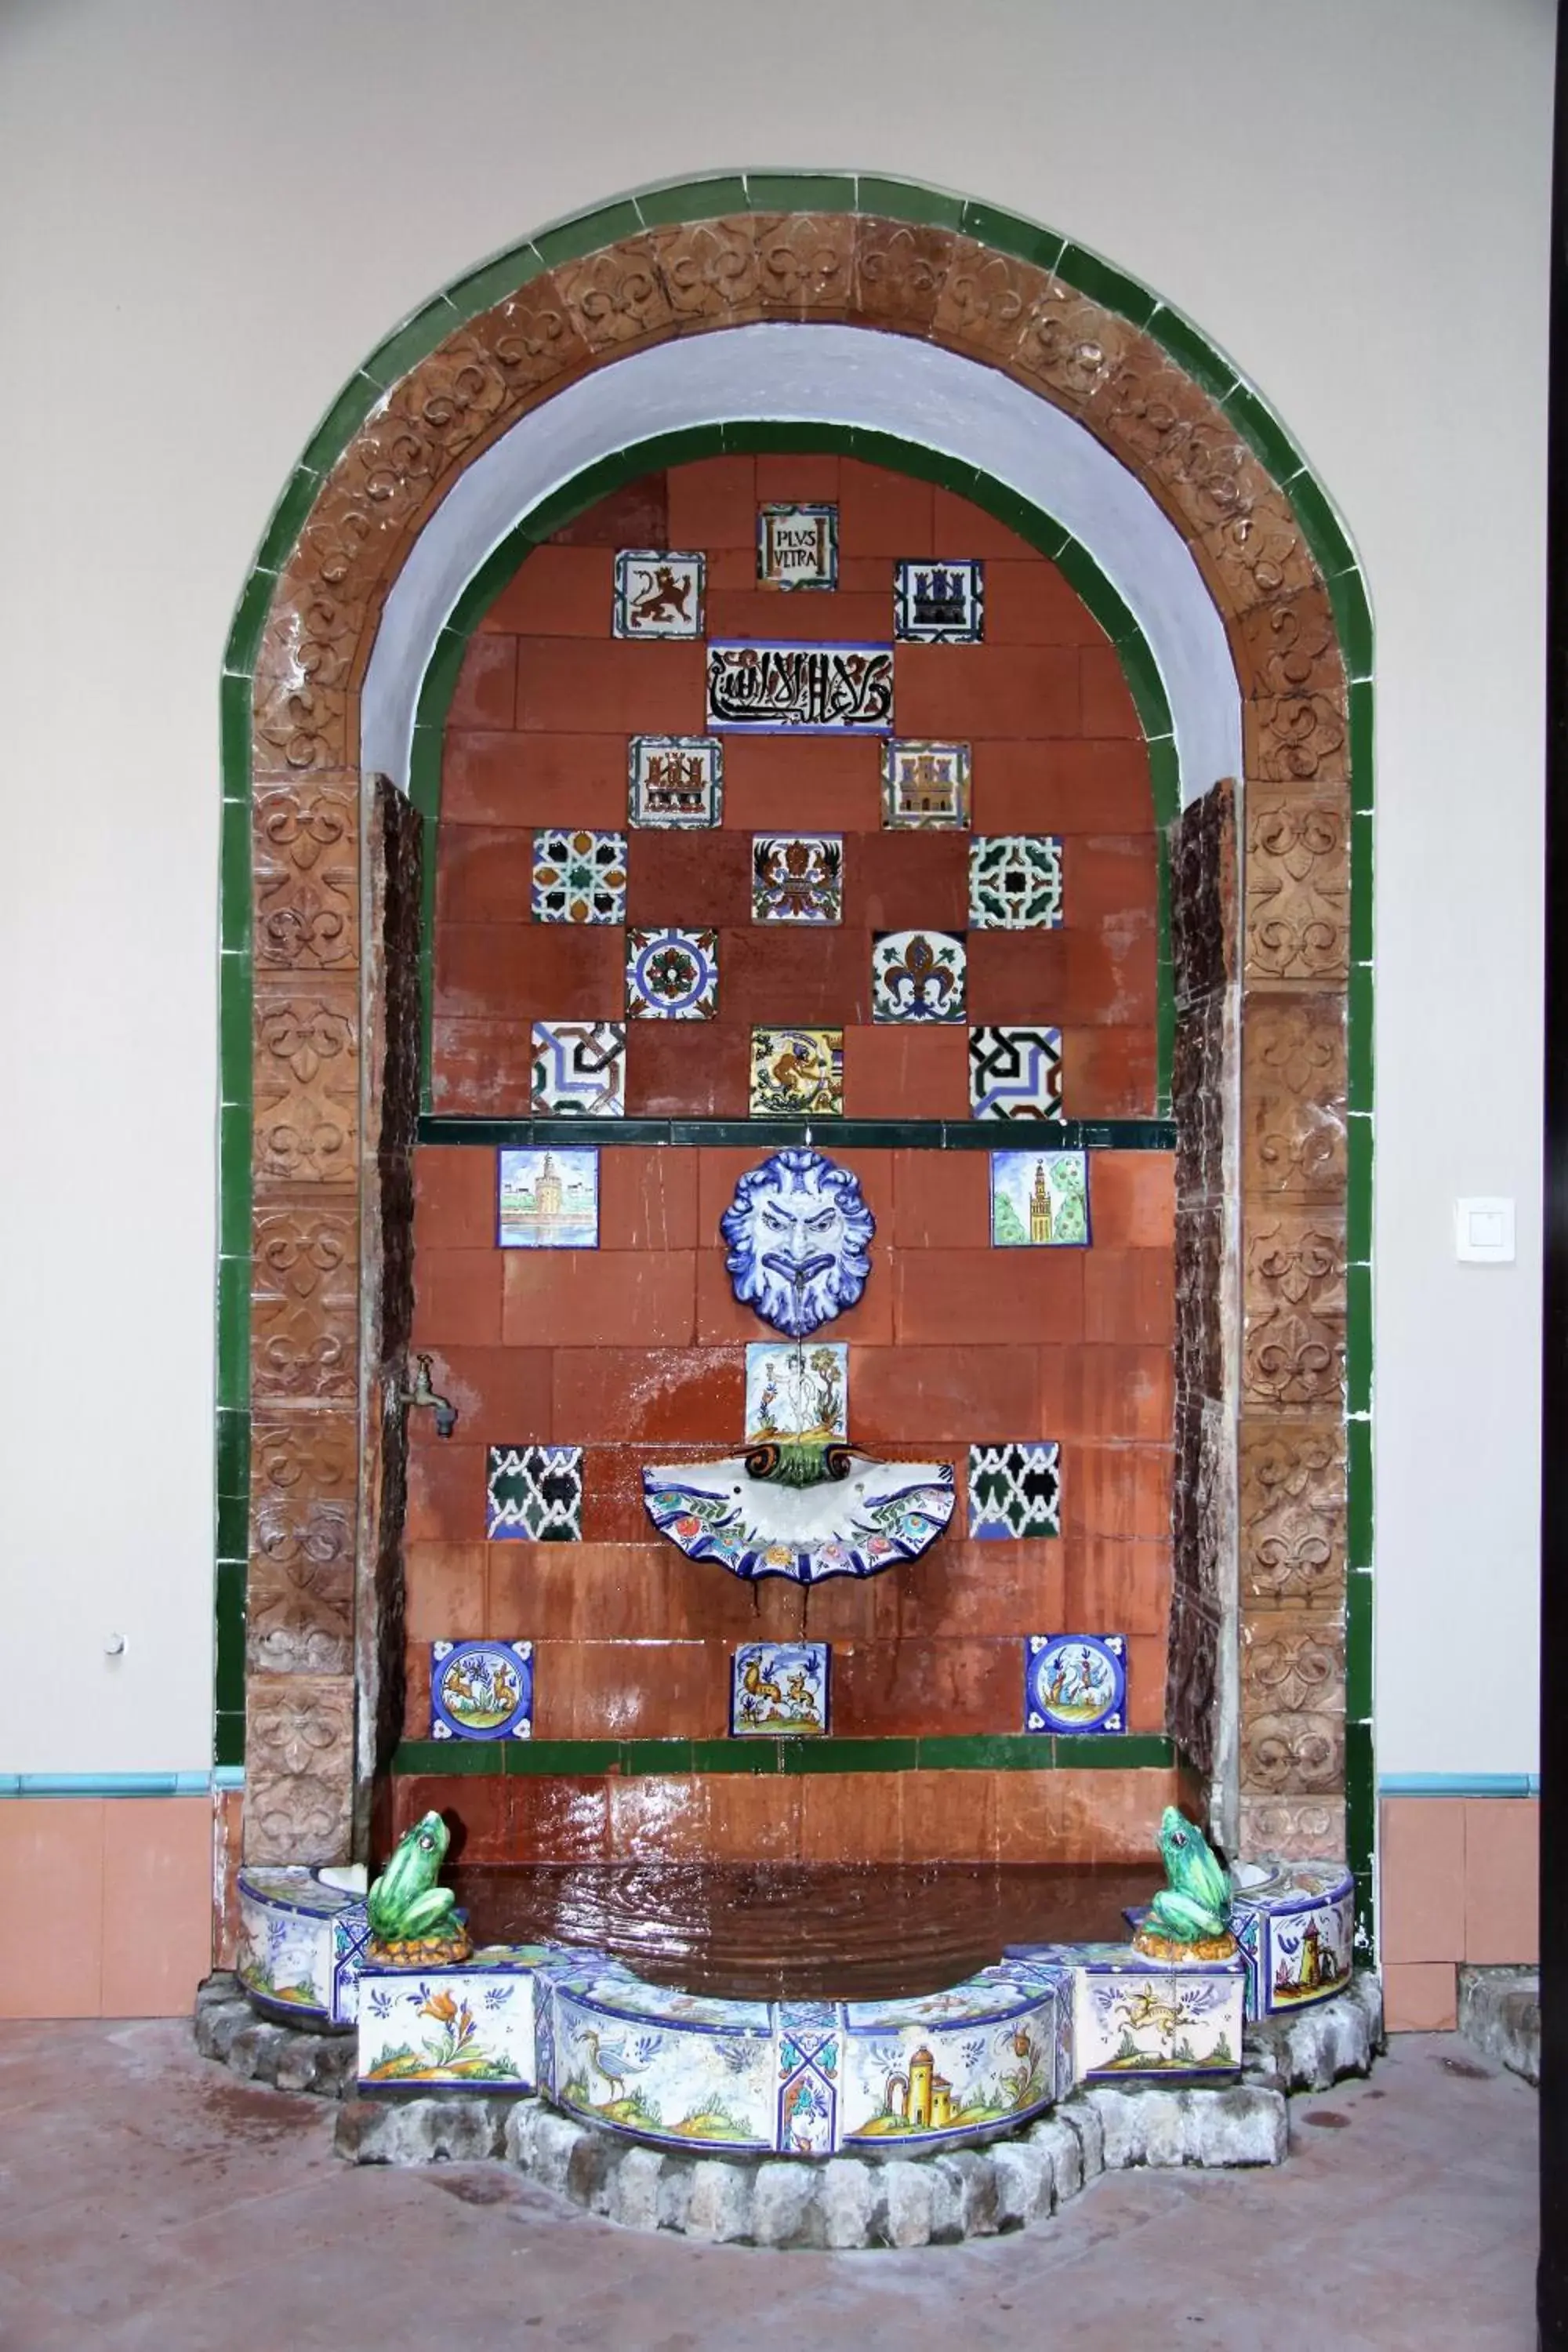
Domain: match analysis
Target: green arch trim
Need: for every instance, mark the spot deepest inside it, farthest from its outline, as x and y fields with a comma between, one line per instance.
x=1032, y=523
x=1258, y=426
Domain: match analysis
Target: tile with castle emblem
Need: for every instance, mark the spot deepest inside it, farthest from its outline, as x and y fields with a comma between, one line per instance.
x=658, y=594
x=797, y=878
x=579, y=877
x=1014, y=1073
x=675, y=779
x=548, y=1200
x=579, y=1069
x=1074, y=1683
x=1015, y=882
x=925, y=786
x=940, y=602
x=1039, y=1200
x=672, y=975
x=533, y=1494
x=1014, y=1491
x=918, y=975
x=481, y=1690
x=778, y=1689
x=797, y=547
x=798, y=1073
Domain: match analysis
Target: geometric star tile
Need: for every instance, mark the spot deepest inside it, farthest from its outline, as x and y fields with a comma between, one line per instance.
x=1015, y=882
x=579, y=877
x=672, y=975
x=1014, y=1073
x=579, y=1069
x=1013, y=1491
x=534, y=1493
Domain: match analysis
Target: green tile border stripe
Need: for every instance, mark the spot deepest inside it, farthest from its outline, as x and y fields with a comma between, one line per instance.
x=638, y=1758
x=753, y=437
x=769, y=1134
x=918, y=204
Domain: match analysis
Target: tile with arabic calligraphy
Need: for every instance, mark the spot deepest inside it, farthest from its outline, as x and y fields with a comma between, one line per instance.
x=796, y=689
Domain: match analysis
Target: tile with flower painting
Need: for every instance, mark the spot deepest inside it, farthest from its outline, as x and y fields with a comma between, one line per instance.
x=472, y=2024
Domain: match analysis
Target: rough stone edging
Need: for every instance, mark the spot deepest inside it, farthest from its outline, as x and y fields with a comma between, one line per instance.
x=1500, y=2012
x=849, y=2201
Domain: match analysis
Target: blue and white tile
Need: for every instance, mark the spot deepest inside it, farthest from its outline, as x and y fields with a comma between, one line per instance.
x=1075, y=1683
x=481, y=1690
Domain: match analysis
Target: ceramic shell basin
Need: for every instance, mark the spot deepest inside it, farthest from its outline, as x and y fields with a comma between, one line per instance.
x=874, y=1513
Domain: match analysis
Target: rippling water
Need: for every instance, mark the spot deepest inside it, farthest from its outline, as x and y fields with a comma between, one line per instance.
x=769, y=1931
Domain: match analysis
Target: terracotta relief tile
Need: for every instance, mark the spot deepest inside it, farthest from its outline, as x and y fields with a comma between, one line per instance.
x=616, y=296
x=306, y=856
x=899, y=269
x=709, y=273
x=1309, y=1827
x=1292, y=1516
x=1297, y=889
x=298, y=726
x=305, y=1301
x=1072, y=346
x=300, y=1590
x=1209, y=476
x=986, y=300
x=1294, y=1753
x=346, y=546
x=1293, y=1664
x=1298, y=738
x=306, y=1080
x=1293, y=1095
x=534, y=338
x=1255, y=558
x=298, y=1768
x=1293, y=1305
x=805, y=264
x=1291, y=647
x=312, y=630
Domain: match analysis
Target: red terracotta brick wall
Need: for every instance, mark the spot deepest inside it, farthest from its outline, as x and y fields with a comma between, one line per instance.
x=638, y=1348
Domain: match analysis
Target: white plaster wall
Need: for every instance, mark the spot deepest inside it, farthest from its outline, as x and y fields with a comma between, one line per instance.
x=209, y=212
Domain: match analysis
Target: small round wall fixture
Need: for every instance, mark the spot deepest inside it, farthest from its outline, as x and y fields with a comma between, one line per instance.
x=799, y=1235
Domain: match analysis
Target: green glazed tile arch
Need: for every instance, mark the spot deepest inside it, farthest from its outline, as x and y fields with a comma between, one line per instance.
x=750, y=437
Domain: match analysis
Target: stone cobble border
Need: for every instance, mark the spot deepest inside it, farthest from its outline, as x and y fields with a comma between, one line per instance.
x=848, y=2201
x=1500, y=2012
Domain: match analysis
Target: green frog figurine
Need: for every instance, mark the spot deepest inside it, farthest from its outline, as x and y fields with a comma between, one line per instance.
x=411, y=1917
x=1189, y=1920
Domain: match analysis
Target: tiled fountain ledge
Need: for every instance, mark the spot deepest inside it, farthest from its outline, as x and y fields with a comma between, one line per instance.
x=850, y=2200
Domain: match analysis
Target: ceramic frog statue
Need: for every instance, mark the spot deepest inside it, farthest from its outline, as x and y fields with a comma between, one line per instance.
x=1194, y=1907
x=405, y=1905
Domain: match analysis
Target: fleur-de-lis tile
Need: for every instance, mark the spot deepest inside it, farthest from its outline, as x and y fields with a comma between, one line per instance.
x=919, y=976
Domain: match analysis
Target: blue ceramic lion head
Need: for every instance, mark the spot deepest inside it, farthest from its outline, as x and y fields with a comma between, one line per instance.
x=800, y=1234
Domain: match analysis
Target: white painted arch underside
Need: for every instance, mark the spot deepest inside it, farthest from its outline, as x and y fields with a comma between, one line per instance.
x=796, y=372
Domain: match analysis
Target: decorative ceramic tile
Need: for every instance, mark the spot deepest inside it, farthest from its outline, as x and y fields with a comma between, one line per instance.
x=1014, y=1073
x=1296, y=1925
x=666, y=2066
x=1075, y=1682
x=481, y=1690
x=470, y=2024
x=778, y=1689
x=658, y=594
x=285, y=1947
x=810, y=2052
x=799, y=1238
x=1013, y=1491
x=534, y=1493
x=549, y=1200
x=1135, y=2018
x=797, y=547
x=350, y=1939
x=796, y=689
x=798, y=1073
x=579, y=1069
x=917, y=975
x=796, y=1394
x=925, y=784
x=732, y=1511
x=939, y=603
x=1039, y=1200
x=1015, y=882
x=672, y=975
x=797, y=878
x=948, y=2066
x=675, y=779
x=579, y=877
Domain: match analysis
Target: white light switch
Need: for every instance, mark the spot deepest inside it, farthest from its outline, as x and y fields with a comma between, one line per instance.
x=1483, y=1231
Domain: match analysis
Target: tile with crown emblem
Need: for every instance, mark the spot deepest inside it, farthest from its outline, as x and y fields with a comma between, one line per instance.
x=658, y=594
